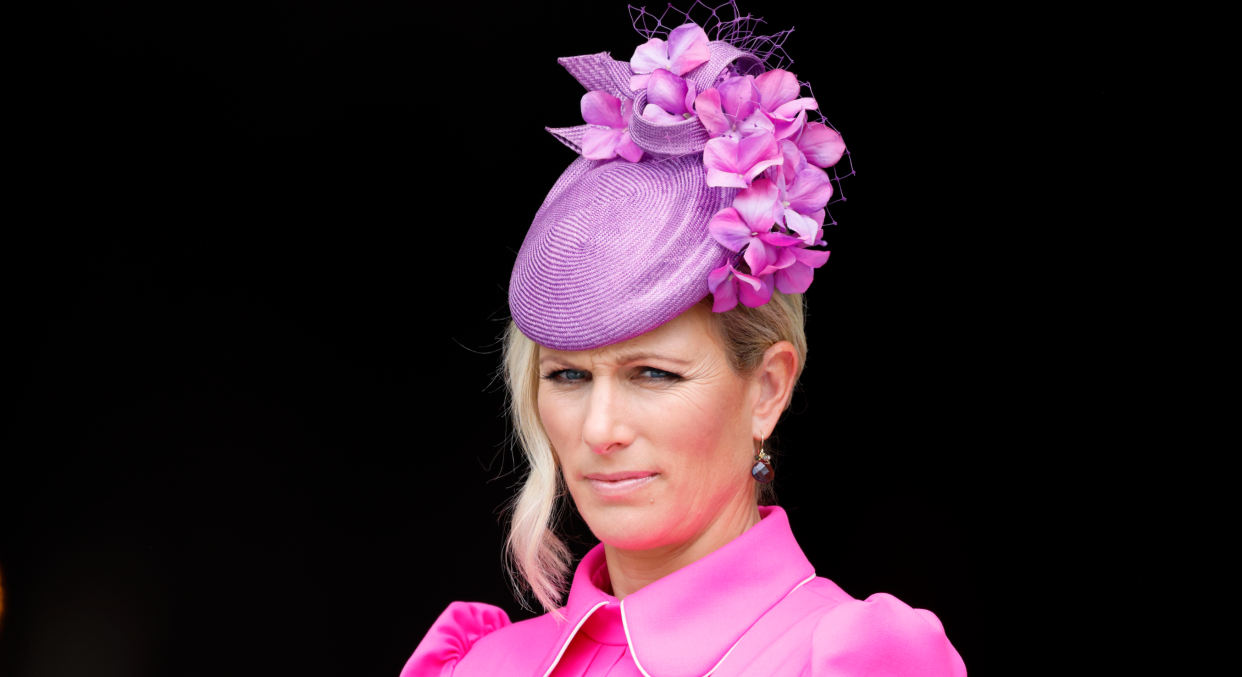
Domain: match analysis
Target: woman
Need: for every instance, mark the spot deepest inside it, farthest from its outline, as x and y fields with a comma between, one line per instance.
x=657, y=336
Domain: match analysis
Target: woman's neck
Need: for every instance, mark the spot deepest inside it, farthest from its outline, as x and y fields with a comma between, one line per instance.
x=632, y=570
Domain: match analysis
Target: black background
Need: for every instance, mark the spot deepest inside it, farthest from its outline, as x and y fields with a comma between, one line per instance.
x=268, y=436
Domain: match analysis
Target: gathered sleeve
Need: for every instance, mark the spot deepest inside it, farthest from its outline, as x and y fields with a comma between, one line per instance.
x=882, y=636
x=451, y=636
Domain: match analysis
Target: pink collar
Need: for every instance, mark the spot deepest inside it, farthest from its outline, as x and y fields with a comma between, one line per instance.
x=684, y=624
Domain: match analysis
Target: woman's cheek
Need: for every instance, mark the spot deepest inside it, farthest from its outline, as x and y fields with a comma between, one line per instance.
x=696, y=428
x=688, y=441
x=557, y=415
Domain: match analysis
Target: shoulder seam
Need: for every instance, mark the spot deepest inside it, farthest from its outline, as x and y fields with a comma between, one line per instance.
x=830, y=599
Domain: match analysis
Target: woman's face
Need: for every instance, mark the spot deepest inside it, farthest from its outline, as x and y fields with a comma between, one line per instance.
x=654, y=434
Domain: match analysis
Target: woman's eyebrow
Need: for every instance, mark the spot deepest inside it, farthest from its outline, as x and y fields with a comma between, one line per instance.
x=621, y=358
x=553, y=358
x=639, y=356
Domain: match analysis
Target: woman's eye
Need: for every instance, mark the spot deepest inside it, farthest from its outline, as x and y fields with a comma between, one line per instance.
x=652, y=372
x=567, y=375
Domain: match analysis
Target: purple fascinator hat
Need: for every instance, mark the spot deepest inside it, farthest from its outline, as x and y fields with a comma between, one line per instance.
x=699, y=173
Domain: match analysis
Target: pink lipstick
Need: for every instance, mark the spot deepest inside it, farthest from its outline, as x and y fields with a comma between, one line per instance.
x=618, y=484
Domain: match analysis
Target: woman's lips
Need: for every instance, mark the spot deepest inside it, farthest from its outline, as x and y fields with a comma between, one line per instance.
x=618, y=484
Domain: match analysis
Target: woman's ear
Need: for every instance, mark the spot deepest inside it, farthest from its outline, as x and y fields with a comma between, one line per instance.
x=775, y=379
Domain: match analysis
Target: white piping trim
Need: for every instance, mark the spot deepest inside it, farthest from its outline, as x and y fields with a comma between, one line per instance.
x=625, y=624
x=571, y=638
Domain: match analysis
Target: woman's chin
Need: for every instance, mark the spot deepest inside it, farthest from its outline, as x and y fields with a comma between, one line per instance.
x=636, y=527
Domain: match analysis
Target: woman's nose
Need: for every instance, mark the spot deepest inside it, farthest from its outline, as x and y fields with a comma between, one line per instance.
x=605, y=429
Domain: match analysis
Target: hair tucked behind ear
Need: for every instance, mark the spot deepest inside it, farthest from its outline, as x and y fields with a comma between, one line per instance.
x=538, y=559
x=747, y=333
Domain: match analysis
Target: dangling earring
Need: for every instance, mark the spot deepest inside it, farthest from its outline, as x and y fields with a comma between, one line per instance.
x=762, y=470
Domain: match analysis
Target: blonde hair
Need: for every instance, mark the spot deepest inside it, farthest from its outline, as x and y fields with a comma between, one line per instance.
x=539, y=560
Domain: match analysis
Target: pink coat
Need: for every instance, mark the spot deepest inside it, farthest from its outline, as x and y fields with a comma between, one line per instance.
x=753, y=607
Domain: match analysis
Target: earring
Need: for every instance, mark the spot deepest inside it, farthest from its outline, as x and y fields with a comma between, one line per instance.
x=762, y=470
